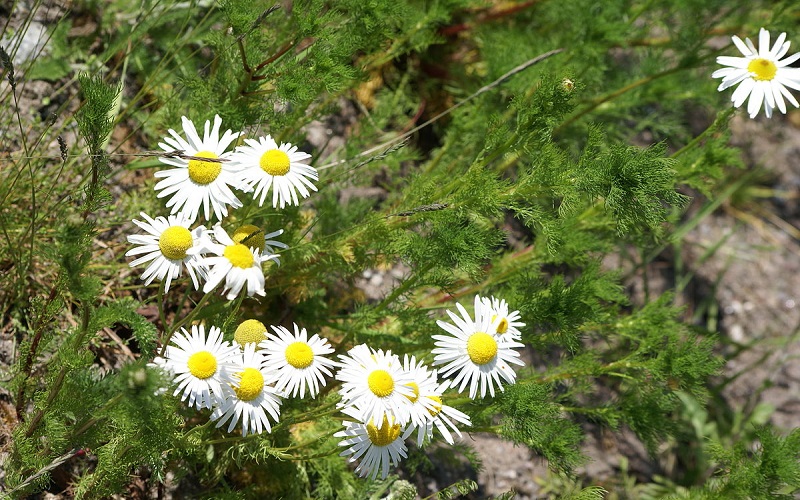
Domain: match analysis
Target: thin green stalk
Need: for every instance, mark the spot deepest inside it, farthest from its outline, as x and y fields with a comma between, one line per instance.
x=187, y=319
x=323, y=411
x=59, y=381
x=721, y=118
x=333, y=451
x=403, y=288
x=92, y=421
x=160, y=303
x=485, y=88
x=613, y=95
x=309, y=442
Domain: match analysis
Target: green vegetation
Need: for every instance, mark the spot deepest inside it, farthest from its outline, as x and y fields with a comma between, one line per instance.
x=551, y=189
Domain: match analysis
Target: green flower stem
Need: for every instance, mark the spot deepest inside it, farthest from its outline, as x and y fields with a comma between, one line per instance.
x=595, y=103
x=237, y=303
x=199, y=428
x=310, y=442
x=323, y=411
x=609, y=369
x=187, y=319
x=232, y=439
x=403, y=288
x=34, y=347
x=721, y=119
x=62, y=373
x=493, y=429
x=160, y=302
x=318, y=455
x=94, y=420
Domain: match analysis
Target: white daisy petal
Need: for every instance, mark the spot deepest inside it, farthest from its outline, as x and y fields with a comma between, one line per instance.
x=779, y=46
x=756, y=98
x=741, y=45
x=742, y=92
x=763, y=43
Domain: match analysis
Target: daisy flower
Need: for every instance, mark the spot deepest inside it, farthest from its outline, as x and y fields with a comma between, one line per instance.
x=297, y=360
x=263, y=164
x=376, y=384
x=442, y=416
x=378, y=447
x=761, y=74
x=197, y=362
x=236, y=263
x=196, y=182
x=252, y=236
x=474, y=353
x=169, y=246
x=250, y=331
x=246, y=395
x=506, y=325
x=424, y=384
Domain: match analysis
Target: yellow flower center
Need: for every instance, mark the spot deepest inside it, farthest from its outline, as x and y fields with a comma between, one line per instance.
x=275, y=162
x=202, y=364
x=384, y=436
x=251, y=383
x=502, y=327
x=437, y=405
x=380, y=383
x=174, y=242
x=481, y=348
x=239, y=255
x=299, y=354
x=762, y=69
x=251, y=330
x=414, y=397
x=204, y=172
x=249, y=236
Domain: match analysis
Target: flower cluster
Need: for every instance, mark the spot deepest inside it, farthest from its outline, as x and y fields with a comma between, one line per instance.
x=204, y=173
x=762, y=74
x=385, y=399
x=246, y=381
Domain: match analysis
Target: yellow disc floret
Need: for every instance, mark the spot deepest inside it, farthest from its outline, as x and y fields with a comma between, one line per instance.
x=762, y=69
x=202, y=364
x=251, y=383
x=250, y=331
x=239, y=255
x=275, y=162
x=481, y=348
x=250, y=236
x=380, y=383
x=502, y=327
x=437, y=405
x=384, y=436
x=174, y=242
x=299, y=355
x=414, y=397
x=204, y=172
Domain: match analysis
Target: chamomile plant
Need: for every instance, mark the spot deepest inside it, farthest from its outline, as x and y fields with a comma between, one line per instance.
x=303, y=250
